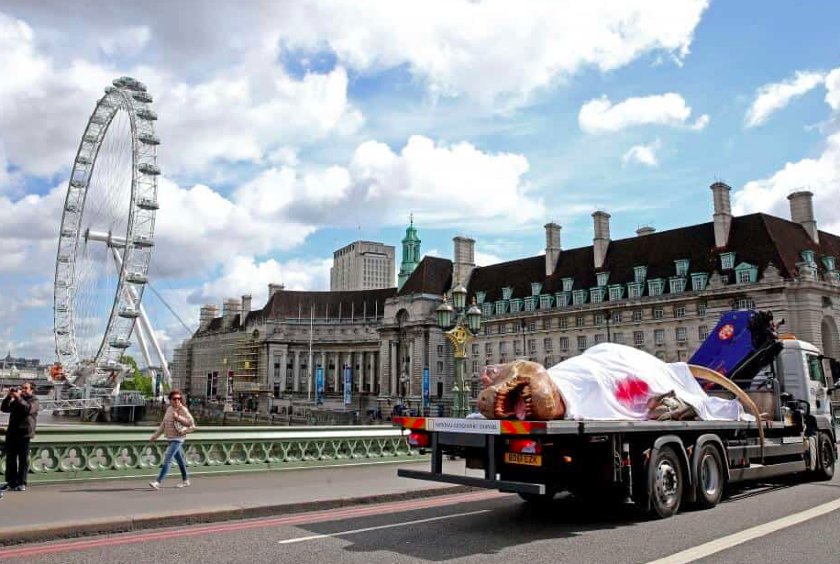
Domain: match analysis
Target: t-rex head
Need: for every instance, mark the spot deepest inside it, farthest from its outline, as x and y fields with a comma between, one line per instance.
x=520, y=389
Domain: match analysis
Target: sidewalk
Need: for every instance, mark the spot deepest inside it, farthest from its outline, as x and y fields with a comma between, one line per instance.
x=52, y=511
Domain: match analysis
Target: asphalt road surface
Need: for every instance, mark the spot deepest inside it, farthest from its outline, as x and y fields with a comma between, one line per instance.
x=763, y=524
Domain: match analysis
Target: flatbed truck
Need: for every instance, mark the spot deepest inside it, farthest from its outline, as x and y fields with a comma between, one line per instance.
x=656, y=465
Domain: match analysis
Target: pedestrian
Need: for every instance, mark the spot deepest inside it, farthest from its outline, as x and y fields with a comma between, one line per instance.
x=22, y=407
x=177, y=423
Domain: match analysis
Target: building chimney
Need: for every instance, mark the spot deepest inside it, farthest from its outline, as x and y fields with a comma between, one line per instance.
x=246, y=308
x=601, y=221
x=723, y=213
x=802, y=212
x=645, y=230
x=230, y=308
x=274, y=288
x=463, y=260
x=552, y=247
x=208, y=313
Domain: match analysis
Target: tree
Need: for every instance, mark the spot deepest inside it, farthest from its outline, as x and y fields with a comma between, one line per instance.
x=135, y=379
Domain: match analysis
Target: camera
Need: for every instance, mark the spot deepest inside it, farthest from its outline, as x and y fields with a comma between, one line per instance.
x=14, y=389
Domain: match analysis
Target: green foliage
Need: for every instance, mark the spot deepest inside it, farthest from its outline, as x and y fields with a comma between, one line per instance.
x=136, y=380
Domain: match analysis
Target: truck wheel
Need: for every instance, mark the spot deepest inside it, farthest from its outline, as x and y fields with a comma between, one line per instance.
x=665, y=482
x=826, y=457
x=711, y=478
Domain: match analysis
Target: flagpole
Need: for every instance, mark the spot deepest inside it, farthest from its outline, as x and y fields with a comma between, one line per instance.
x=309, y=381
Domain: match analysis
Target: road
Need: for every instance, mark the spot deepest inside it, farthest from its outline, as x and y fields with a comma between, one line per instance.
x=487, y=526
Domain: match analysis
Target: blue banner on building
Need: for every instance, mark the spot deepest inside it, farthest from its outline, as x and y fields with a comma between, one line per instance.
x=319, y=385
x=348, y=385
x=427, y=385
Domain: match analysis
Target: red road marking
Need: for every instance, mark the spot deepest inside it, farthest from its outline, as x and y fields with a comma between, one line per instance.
x=298, y=519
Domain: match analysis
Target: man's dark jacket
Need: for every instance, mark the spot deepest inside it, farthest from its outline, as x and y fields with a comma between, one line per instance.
x=23, y=414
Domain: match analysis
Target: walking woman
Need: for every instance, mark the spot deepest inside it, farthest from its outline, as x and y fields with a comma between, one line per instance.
x=177, y=422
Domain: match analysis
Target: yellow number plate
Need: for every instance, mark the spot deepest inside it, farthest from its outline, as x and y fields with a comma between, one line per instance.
x=526, y=459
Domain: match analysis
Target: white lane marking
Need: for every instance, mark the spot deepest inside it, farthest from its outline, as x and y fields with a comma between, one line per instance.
x=389, y=526
x=712, y=547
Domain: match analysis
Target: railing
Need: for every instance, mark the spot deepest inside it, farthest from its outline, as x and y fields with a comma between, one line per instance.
x=82, y=452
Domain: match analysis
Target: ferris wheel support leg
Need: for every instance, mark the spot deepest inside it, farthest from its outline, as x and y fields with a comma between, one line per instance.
x=147, y=327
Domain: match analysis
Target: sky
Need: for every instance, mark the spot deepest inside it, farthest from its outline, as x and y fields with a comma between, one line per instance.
x=290, y=129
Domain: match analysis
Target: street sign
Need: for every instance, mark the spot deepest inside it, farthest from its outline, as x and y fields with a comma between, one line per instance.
x=319, y=385
x=348, y=385
x=427, y=384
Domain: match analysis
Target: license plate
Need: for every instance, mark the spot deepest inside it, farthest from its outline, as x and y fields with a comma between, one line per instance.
x=526, y=459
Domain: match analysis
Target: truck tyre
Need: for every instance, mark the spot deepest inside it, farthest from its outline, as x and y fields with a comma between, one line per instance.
x=665, y=483
x=711, y=477
x=826, y=457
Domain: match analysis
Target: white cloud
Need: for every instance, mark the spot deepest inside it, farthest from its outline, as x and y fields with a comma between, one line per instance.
x=832, y=85
x=248, y=112
x=127, y=41
x=602, y=116
x=820, y=175
x=243, y=275
x=484, y=50
x=771, y=98
x=643, y=154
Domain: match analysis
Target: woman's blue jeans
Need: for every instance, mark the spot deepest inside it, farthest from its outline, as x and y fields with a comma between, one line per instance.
x=175, y=451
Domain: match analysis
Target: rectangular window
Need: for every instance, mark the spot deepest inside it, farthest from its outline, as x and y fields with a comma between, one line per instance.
x=488, y=349
x=507, y=293
x=547, y=344
x=745, y=303
x=532, y=346
x=536, y=288
x=501, y=307
x=655, y=287
x=579, y=297
x=564, y=322
x=546, y=301
x=599, y=338
x=744, y=276
x=682, y=267
x=563, y=299
x=658, y=313
x=579, y=321
x=530, y=304
x=616, y=292
x=808, y=256
x=567, y=284
x=440, y=350
x=440, y=367
x=597, y=295
x=475, y=367
x=639, y=274
x=682, y=334
x=487, y=309
x=634, y=291
x=659, y=337
x=677, y=285
x=679, y=311
x=828, y=263
x=637, y=316
x=581, y=342
x=618, y=338
x=503, y=347
x=564, y=343
x=517, y=348
x=701, y=309
x=475, y=349
x=703, y=332
x=602, y=278
x=616, y=317
x=699, y=281
x=502, y=328
x=638, y=338
x=598, y=319
x=515, y=305
x=727, y=261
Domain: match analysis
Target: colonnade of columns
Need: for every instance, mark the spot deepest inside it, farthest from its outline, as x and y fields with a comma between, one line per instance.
x=296, y=363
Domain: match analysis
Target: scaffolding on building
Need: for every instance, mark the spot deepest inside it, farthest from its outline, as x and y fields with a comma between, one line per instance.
x=246, y=365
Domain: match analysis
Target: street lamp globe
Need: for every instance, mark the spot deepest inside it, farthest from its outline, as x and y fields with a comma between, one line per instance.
x=459, y=297
x=444, y=314
x=474, y=317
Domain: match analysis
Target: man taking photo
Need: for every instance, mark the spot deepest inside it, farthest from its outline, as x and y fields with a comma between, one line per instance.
x=22, y=407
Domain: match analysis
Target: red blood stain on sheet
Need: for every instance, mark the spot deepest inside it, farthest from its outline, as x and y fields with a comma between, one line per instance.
x=631, y=389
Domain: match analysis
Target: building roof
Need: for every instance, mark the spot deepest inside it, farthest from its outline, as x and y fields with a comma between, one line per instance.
x=432, y=276
x=334, y=305
x=757, y=239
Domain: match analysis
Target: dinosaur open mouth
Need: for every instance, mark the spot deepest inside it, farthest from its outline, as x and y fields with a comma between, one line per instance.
x=514, y=399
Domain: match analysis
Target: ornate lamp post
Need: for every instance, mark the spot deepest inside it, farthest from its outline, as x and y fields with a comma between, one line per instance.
x=460, y=325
